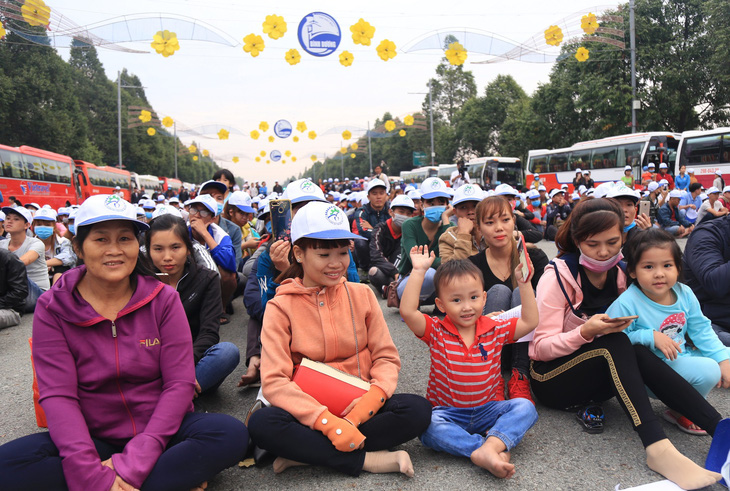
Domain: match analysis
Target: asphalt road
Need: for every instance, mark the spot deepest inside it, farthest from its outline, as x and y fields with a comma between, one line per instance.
x=556, y=454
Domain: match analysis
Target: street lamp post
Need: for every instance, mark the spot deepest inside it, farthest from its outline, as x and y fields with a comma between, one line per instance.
x=119, y=111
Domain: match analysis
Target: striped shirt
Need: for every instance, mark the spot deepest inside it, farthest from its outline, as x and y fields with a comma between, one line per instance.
x=465, y=376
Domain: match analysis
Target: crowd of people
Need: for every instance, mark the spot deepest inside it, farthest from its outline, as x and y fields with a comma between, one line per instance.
x=129, y=299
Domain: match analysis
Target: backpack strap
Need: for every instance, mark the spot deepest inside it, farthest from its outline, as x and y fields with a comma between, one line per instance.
x=577, y=313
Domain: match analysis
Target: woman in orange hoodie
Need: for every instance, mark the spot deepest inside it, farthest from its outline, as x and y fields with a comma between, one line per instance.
x=317, y=314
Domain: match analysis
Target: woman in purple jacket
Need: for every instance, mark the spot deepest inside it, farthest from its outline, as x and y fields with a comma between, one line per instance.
x=113, y=356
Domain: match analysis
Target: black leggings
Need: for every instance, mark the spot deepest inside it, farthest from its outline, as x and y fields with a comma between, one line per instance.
x=402, y=418
x=610, y=366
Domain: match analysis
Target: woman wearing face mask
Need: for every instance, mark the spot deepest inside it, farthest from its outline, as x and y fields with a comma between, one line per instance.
x=580, y=354
x=60, y=256
x=426, y=230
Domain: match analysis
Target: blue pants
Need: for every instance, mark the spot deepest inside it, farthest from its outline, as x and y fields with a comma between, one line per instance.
x=460, y=431
x=702, y=372
x=428, y=289
x=217, y=363
x=205, y=444
x=34, y=291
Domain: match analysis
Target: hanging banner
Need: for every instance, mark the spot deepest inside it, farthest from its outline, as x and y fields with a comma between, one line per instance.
x=319, y=34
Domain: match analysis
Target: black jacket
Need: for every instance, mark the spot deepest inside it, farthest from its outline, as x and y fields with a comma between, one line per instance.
x=200, y=294
x=385, y=249
x=372, y=217
x=13, y=281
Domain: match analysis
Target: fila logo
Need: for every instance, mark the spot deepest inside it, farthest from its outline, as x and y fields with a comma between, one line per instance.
x=147, y=343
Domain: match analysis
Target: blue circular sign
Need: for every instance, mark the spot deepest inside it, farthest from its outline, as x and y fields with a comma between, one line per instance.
x=282, y=128
x=319, y=34
x=275, y=155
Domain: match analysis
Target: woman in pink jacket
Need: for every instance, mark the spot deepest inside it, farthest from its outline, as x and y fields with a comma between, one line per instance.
x=580, y=355
x=114, y=359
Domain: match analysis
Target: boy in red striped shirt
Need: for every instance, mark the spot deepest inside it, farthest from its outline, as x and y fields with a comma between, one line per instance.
x=470, y=417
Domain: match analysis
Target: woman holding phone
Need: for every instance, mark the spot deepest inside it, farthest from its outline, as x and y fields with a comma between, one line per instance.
x=581, y=355
x=496, y=222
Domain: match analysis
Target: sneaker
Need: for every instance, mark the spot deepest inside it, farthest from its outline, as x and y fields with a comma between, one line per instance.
x=500, y=389
x=519, y=387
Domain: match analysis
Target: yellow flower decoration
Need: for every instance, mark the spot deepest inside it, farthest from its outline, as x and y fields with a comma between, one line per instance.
x=343, y=150
x=288, y=153
x=145, y=116
x=271, y=139
x=264, y=126
x=235, y=160
x=293, y=159
x=408, y=120
x=386, y=50
x=263, y=153
x=36, y=12
x=268, y=161
x=258, y=159
x=206, y=153
x=255, y=135
x=283, y=161
x=362, y=33
x=165, y=43
x=346, y=135
x=312, y=135
x=296, y=139
x=352, y=155
x=346, y=58
x=167, y=122
x=254, y=44
x=2, y=31
x=223, y=134
x=195, y=158
x=274, y=26
x=589, y=23
x=293, y=57
x=582, y=54
x=390, y=125
x=553, y=35
x=192, y=149
x=402, y=132
x=314, y=158
x=151, y=131
x=456, y=54
x=301, y=126
x=354, y=146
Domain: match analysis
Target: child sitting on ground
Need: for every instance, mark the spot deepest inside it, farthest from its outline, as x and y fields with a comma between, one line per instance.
x=468, y=417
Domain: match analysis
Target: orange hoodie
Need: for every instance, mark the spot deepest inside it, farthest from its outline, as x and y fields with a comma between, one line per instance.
x=316, y=323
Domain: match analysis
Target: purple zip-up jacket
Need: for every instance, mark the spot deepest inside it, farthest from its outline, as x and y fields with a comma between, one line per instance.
x=129, y=382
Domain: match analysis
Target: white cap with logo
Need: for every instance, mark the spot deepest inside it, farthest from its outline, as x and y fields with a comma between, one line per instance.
x=303, y=190
x=24, y=212
x=433, y=187
x=242, y=201
x=318, y=220
x=208, y=201
x=104, y=208
x=402, y=200
x=467, y=192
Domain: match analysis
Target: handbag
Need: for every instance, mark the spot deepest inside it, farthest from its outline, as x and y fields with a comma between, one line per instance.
x=391, y=294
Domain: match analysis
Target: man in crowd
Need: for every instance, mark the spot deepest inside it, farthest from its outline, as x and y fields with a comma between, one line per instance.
x=13, y=288
x=371, y=214
x=385, y=250
x=670, y=219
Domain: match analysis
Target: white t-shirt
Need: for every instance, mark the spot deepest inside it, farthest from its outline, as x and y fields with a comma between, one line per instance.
x=703, y=209
x=37, y=271
x=457, y=181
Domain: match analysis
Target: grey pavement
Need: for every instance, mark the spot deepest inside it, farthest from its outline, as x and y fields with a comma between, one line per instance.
x=555, y=454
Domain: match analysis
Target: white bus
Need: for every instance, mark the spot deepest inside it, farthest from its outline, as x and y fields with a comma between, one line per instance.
x=489, y=172
x=706, y=152
x=419, y=174
x=605, y=158
x=146, y=183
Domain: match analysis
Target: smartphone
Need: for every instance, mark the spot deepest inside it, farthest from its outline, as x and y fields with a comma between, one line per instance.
x=280, y=219
x=624, y=319
x=526, y=264
x=644, y=207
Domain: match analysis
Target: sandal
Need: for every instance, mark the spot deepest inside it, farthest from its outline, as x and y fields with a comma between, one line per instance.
x=591, y=417
x=224, y=319
x=683, y=424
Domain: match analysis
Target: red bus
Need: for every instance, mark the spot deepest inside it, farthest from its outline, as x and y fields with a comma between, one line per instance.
x=93, y=179
x=34, y=175
x=170, y=183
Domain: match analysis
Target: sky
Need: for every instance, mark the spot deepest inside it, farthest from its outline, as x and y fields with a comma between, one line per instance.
x=214, y=85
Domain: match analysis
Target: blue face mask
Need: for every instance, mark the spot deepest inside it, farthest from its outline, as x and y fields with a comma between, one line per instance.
x=148, y=214
x=535, y=202
x=43, y=231
x=433, y=213
x=268, y=227
x=518, y=203
x=72, y=229
x=220, y=208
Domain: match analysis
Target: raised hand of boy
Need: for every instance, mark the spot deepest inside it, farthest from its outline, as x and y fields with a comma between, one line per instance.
x=666, y=345
x=421, y=261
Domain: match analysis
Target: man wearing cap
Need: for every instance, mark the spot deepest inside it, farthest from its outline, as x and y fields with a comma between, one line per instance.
x=556, y=214
x=464, y=239
x=719, y=182
x=60, y=256
x=277, y=187
x=587, y=178
x=379, y=174
x=628, y=198
x=670, y=219
x=655, y=199
x=691, y=198
x=664, y=174
x=263, y=189
x=385, y=250
x=648, y=174
x=217, y=190
x=725, y=198
x=711, y=207
x=538, y=210
x=370, y=215
x=692, y=178
x=13, y=288
x=29, y=250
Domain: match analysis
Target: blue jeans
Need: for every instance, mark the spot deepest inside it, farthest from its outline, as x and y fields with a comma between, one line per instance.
x=428, y=289
x=672, y=229
x=34, y=291
x=460, y=431
x=217, y=363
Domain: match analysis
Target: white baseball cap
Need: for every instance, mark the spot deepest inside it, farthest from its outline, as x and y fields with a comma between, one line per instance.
x=651, y=164
x=582, y=189
x=603, y=189
x=214, y=184
x=653, y=186
x=726, y=189
x=712, y=190
x=263, y=208
x=242, y=201
x=703, y=197
x=433, y=187
x=303, y=190
x=541, y=188
x=161, y=198
x=691, y=170
x=24, y=212
x=63, y=211
x=575, y=196
x=586, y=172
x=577, y=170
x=166, y=210
x=402, y=200
x=208, y=201
x=45, y=214
x=140, y=211
x=622, y=191
x=555, y=192
x=318, y=220
x=107, y=207
x=467, y=192
x=2, y=216
x=663, y=165
x=718, y=172
x=536, y=176
x=628, y=167
x=675, y=193
x=563, y=186
x=505, y=190
x=533, y=193
x=414, y=194
x=374, y=183
x=663, y=182
x=34, y=205
x=148, y=204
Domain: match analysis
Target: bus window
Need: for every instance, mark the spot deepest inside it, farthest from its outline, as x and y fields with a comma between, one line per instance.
x=34, y=167
x=629, y=154
x=702, y=150
x=12, y=165
x=558, y=162
x=579, y=159
x=538, y=164
x=604, y=158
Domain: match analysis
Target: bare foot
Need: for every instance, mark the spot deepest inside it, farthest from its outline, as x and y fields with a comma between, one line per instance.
x=252, y=372
x=202, y=487
x=281, y=464
x=492, y=456
x=664, y=458
x=384, y=461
